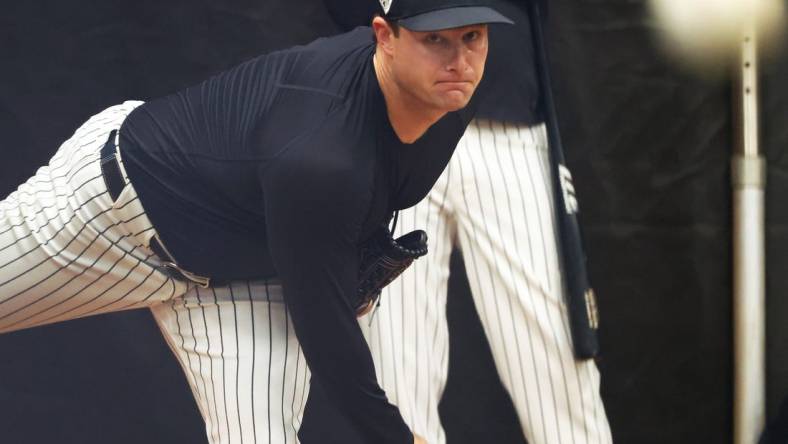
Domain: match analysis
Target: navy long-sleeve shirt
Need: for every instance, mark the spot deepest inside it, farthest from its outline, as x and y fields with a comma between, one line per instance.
x=282, y=167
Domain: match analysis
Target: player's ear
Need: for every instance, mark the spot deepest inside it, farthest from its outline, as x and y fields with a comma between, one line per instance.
x=384, y=34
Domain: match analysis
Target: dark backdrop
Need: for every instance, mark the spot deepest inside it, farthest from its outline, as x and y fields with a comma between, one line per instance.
x=648, y=144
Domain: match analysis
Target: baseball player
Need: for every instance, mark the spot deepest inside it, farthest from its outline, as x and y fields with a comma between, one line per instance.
x=496, y=202
x=237, y=210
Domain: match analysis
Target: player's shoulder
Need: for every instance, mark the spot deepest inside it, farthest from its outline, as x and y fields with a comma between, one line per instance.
x=335, y=45
x=330, y=65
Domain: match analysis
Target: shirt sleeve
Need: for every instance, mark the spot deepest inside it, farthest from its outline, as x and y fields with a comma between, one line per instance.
x=313, y=219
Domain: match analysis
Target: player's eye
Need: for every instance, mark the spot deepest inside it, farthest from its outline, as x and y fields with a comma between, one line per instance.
x=433, y=38
x=471, y=36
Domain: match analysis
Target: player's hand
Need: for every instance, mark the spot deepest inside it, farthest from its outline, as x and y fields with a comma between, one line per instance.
x=418, y=439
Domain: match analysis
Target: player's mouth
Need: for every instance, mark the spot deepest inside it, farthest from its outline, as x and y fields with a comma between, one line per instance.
x=454, y=82
x=449, y=85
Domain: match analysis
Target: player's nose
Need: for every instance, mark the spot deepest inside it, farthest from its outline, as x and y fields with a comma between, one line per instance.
x=458, y=59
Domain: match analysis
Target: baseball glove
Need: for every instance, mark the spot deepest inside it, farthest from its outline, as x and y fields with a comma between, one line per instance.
x=382, y=260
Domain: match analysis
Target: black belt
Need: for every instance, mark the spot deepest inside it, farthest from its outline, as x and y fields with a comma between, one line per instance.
x=113, y=178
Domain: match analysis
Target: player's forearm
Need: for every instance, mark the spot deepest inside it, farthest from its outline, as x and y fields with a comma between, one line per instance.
x=313, y=244
x=372, y=416
x=356, y=393
x=340, y=362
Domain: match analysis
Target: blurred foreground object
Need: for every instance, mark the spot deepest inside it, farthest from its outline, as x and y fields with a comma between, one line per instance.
x=706, y=35
x=703, y=33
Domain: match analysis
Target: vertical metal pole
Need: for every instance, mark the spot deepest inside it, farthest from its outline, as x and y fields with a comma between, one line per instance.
x=748, y=180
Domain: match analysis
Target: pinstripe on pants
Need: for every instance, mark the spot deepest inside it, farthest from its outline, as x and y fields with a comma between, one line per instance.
x=242, y=359
x=495, y=200
x=67, y=251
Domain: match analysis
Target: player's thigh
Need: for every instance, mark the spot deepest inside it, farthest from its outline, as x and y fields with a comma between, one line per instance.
x=505, y=203
x=242, y=360
x=509, y=244
x=66, y=248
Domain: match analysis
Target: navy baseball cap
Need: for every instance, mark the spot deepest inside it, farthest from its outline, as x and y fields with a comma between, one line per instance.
x=435, y=15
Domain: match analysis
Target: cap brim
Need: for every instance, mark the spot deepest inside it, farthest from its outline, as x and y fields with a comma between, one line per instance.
x=453, y=18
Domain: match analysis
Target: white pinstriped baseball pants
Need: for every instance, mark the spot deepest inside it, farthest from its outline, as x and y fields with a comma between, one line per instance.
x=239, y=352
x=495, y=200
x=68, y=251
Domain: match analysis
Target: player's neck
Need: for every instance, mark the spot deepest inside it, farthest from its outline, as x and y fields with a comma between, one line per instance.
x=408, y=116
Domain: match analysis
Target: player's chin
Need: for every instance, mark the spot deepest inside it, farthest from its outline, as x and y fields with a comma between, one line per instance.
x=455, y=100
